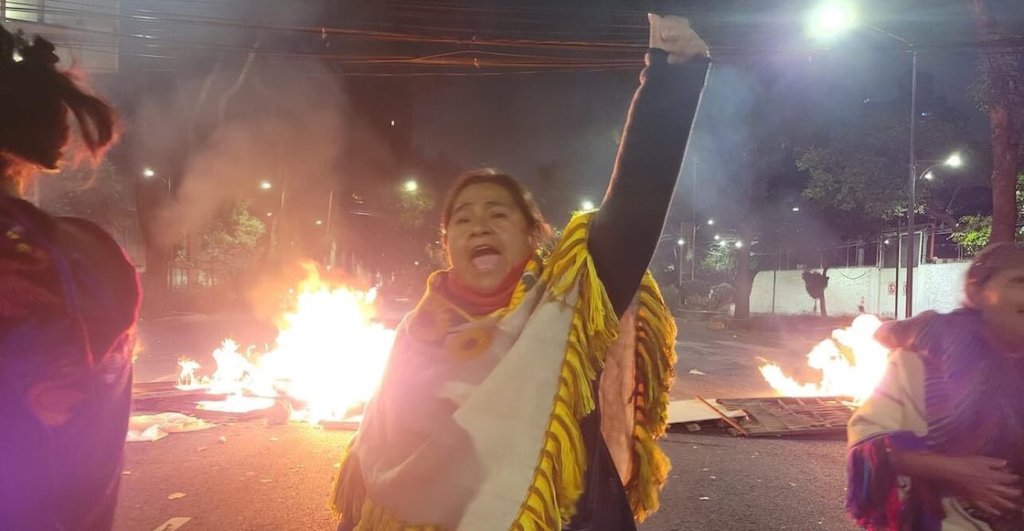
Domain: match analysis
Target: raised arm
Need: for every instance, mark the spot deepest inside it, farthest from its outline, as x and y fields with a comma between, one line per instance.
x=625, y=231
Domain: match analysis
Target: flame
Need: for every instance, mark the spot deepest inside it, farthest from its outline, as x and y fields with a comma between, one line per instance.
x=851, y=362
x=329, y=357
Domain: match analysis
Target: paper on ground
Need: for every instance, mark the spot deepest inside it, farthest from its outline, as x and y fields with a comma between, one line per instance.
x=683, y=411
x=142, y=428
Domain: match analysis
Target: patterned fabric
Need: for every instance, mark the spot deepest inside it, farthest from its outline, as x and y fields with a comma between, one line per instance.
x=957, y=396
x=477, y=422
x=66, y=338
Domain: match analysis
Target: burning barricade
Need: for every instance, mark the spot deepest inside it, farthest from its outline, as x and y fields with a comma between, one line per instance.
x=327, y=360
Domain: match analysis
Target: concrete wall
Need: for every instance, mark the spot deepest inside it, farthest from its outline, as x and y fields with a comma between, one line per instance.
x=936, y=287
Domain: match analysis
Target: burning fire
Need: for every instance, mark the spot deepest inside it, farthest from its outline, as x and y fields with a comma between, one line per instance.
x=328, y=358
x=851, y=362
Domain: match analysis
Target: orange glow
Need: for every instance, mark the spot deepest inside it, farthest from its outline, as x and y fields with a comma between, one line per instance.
x=329, y=356
x=851, y=362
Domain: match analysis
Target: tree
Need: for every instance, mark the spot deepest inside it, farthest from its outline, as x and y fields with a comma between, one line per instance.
x=1000, y=94
x=860, y=175
x=974, y=232
x=230, y=244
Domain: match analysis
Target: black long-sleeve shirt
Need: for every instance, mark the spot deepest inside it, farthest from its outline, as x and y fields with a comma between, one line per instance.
x=623, y=237
x=626, y=229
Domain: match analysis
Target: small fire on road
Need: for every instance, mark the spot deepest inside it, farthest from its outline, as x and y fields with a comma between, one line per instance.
x=328, y=358
x=851, y=362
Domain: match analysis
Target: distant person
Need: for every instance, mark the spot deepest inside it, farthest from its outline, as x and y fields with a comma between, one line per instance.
x=940, y=444
x=527, y=389
x=68, y=307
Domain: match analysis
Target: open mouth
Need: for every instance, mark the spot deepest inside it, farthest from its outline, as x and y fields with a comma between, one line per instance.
x=484, y=258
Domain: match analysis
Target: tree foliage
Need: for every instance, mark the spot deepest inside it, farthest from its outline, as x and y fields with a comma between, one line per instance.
x=231, y=243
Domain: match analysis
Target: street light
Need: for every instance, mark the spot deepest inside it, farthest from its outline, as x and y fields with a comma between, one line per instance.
x=834, y=18
x=796, y=209
x=680, y=242
x=831, y=19
x=587, y=205
x=265, y=185
x=150, y=173
x=411, y=186
x=954, y=161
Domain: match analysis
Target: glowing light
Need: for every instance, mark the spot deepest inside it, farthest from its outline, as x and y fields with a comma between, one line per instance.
x=329, y=356
x=319, y=222
x=148, y=173
x=265, y=185
x=739, y=245
x=711, y=222
x=929, y=176
x=411, y=186
x=796, y=209
x=851, y=363
x=831, y=19
x=680, y=242
x=718, y=237
x=587, y=204
x=954, y=161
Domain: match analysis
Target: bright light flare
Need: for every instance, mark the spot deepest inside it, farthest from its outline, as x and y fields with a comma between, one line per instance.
x=587, y=205
x=329, y=355
x=954, y=161
x=411, y=186
x=851, y=363
x=265, y=185
x=831, y=19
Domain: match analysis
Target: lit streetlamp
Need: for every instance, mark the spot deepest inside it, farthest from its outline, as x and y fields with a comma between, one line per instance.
x=833, y=18
x=587, y=205
x=411, y=186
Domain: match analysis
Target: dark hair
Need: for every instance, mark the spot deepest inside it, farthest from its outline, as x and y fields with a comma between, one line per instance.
x=34, y=100
x=989, y=262
x=520, y=194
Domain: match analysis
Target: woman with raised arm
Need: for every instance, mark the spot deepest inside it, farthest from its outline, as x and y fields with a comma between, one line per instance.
x=528, y=388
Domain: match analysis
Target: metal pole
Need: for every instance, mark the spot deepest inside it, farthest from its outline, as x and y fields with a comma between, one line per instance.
x=899, y=256
x=913, y=187
x=327, y=233
x=693, y=254
x=693, y=220
x=775, y=276
x=680, y=252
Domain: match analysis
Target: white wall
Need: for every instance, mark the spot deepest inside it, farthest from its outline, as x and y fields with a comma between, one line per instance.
x=937, y=287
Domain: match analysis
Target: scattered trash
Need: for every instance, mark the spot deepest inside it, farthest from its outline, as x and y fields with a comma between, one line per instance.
x=698, y=372
x=173, y=523
x=176, y=496
x=792, y=416
x=685, y=411
x=148, y=428
x=278, y=414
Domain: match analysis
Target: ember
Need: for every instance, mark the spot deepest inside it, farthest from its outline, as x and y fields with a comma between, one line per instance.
x=328, y=357
x=851, y=362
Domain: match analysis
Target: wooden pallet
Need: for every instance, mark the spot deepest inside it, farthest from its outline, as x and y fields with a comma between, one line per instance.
x=792, y=416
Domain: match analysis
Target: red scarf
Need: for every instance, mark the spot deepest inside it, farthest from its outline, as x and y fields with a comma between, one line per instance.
x=477, y=303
